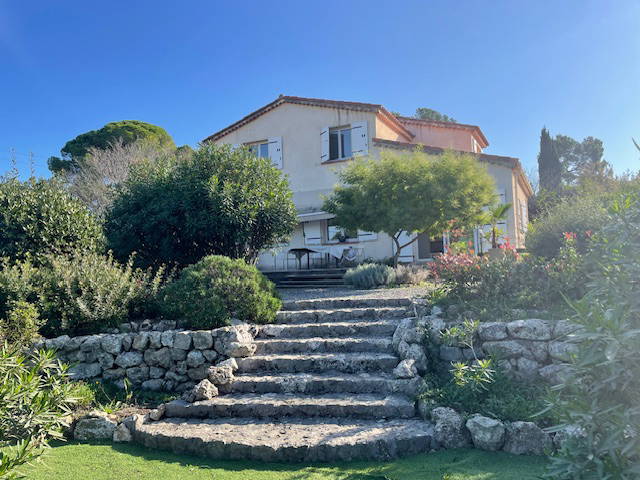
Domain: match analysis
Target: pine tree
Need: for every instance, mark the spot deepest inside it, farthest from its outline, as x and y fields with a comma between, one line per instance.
x=549, y=167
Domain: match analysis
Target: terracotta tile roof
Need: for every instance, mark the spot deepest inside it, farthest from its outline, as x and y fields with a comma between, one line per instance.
x=316, y=102
x=510, y=162
x=435, y=123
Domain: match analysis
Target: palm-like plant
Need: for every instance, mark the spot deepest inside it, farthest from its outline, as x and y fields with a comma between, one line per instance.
x=493, y=216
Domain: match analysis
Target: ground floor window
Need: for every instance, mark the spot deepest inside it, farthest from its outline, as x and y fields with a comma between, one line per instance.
x=336, y=233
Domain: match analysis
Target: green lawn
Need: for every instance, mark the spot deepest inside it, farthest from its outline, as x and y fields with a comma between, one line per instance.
x=113, y=462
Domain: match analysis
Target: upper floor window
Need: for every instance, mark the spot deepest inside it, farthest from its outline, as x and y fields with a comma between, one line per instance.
x=260, y=149
x=270, y=148
x=339, y=143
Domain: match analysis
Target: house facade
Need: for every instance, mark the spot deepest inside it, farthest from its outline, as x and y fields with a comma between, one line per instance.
x=310, y=140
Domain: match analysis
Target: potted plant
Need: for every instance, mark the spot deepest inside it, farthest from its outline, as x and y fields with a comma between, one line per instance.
x=494, y=215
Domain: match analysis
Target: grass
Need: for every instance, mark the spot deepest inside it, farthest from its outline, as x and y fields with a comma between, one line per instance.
x=74, y=461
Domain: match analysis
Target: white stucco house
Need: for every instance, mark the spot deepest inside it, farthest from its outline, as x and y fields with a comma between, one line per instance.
x=309, y=139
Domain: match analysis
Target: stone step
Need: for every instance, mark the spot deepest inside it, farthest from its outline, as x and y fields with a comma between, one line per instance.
x=292, y=440
x=319, y=362
x=338, y=315
x=333, y=303
x=278, y=405
x=376, y=328
x=324, y=345
x=319, y=383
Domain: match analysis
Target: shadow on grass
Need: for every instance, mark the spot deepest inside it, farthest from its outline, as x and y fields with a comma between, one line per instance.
x=442, y=465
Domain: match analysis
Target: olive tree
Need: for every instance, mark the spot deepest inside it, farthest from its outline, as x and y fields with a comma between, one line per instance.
x=217, y=201
x=411, y=192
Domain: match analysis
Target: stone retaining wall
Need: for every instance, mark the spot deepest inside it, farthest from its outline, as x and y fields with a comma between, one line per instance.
x=158, y=358
x=530, y=349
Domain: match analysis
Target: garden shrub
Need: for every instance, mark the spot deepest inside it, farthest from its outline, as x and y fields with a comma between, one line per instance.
x=411, y=274
x=35, y=401
x=217, y=289
x=17, y=284
x=38, y=217
x=369, y=275
x=494, y=288
x=502, y=398
x=218, y=201
x=600, y=397
x=583, y=216
x=89, y=293
x=20, y=325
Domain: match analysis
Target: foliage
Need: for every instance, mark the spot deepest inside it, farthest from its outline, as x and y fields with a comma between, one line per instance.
x=490, y=288
x=411, y=192
x=600, y=397
x=218, y=201
x=126, y=131
x=110, y=398
x=217, y=289
x=478, y=385
x=582, y=215
x=369, y=275
x=549, y=166
x=500, y=397
x=494, y=215
x=582, y=161
x=95, y=180
x=20, y=325
x=88, y=293
x=411, y=274
x=39, y=217
x=424, y=113
x=35, y=399
x=17, y=284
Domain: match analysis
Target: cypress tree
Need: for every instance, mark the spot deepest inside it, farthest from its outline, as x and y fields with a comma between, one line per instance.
x=549, y=167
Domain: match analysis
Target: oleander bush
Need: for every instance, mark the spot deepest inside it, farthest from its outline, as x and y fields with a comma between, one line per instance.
x=600, y=398
x=36, y=399
x=217, y=289
x=39, y=217
x=370, y=275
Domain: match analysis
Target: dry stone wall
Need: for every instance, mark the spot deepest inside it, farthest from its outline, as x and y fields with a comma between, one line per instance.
x=153, y=356
x=531, y=349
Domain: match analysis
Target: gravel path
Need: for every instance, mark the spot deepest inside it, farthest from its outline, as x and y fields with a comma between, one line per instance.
x=290, y=294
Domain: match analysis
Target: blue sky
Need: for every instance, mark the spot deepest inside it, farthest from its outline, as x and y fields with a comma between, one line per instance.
x=193, y=67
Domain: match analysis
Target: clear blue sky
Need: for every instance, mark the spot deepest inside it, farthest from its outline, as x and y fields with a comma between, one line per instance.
x=193, y=67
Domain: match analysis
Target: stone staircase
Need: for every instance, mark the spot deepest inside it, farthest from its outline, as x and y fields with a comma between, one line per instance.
x=320, y=387
x=314, y=278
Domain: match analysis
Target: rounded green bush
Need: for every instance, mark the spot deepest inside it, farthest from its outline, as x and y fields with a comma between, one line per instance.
x=211, y=292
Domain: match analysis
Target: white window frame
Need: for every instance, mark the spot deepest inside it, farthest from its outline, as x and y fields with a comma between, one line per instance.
x=340, y=131
x=331, y=230
x=256, y=147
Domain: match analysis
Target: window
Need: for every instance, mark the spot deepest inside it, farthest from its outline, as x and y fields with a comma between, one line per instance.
x=336, y=233
x=260, y=150
x=340, y=143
